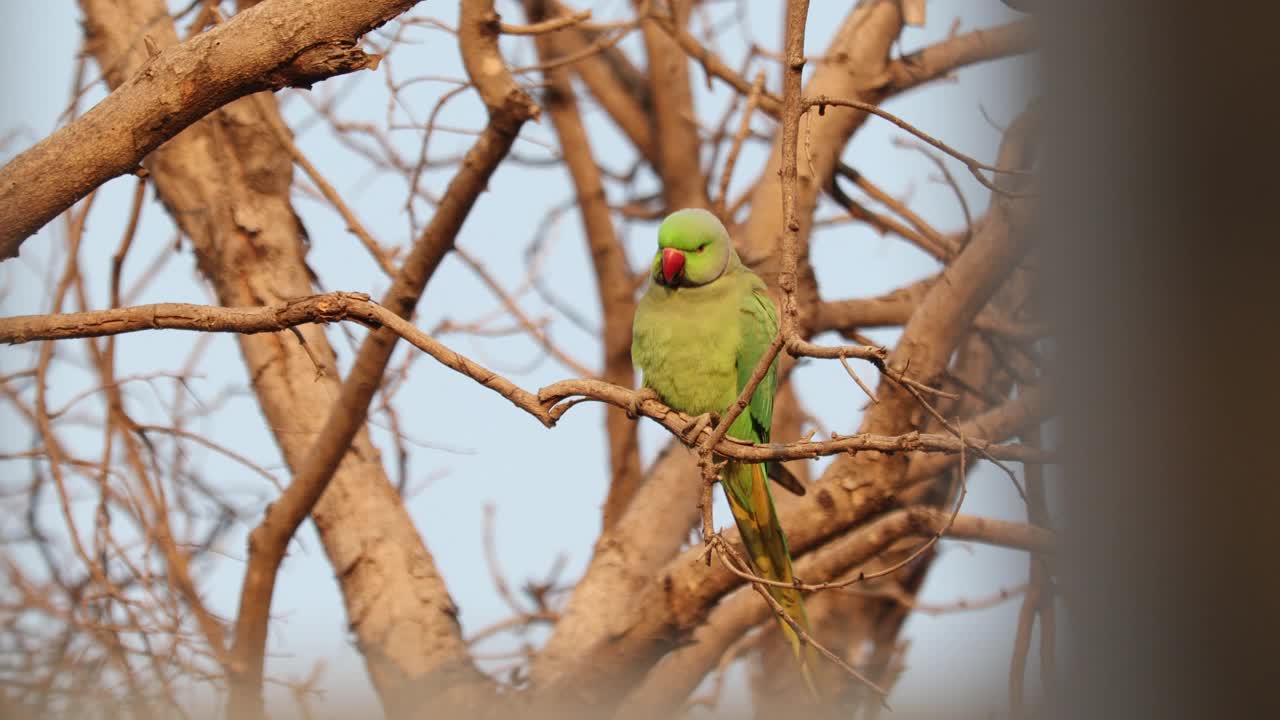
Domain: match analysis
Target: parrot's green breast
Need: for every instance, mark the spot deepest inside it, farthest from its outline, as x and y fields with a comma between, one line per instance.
x=686, y=342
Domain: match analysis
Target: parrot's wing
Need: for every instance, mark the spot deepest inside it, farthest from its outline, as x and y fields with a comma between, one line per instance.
x=759, y=326
x=758, y=323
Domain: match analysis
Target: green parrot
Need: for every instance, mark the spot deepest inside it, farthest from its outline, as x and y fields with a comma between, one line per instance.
x=699, y=333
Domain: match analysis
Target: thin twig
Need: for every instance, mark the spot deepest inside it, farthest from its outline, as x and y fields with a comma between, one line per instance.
x=974, y=165
x=546, y=26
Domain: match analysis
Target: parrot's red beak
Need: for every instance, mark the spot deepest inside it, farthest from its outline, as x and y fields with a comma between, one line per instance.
x=672, y=263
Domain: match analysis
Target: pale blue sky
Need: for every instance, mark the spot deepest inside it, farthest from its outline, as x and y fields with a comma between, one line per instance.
x=547, y=484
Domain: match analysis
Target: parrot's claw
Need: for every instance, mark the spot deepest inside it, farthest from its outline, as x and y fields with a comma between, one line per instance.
x=637, y=399
x=698, y=424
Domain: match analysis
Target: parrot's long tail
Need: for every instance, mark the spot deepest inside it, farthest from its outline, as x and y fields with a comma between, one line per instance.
x=747, y=489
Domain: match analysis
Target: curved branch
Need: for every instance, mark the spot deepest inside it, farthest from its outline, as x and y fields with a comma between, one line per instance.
x=478, y=30
x=940, y=59
x=974, y=165
x=547, y=26
x=178, y=86
x=903, y=74
x=894, y=309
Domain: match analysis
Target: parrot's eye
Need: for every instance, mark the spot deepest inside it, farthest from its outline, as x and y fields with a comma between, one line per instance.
x=701, y=248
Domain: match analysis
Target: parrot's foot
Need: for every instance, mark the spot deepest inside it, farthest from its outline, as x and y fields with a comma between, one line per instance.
x=698, y=424
x=638, y=398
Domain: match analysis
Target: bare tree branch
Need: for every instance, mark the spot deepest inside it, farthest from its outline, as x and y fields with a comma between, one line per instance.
x=177, y=87
x=940, y=59
x=549, y=25
x=896, y=307
x=675, y=130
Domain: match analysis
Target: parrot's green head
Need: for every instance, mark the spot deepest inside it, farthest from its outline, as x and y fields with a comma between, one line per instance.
x=693, y=249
